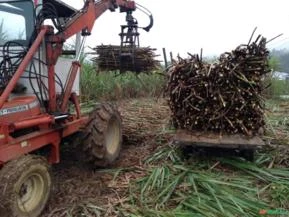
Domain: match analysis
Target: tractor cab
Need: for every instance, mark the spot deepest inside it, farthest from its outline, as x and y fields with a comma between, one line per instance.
x=16, y=29
x=17, y=18
x=18, y=21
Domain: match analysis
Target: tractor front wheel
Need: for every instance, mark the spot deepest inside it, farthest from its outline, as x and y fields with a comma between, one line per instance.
x=103, y=136
x=25, y=186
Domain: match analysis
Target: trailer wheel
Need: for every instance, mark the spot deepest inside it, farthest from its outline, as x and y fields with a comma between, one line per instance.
x=102, y=136
x=25, y=186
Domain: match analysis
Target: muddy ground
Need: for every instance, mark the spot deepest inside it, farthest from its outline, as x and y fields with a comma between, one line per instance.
x=80, y=190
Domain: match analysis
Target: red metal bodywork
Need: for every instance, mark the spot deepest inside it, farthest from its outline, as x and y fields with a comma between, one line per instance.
x=44, y=129
x=19, y=109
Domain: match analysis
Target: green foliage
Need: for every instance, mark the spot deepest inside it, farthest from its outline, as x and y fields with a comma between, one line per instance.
x=235, y=188
x=282, y=56
x=274, y=63
x=278, y=87
x=278, y=62
x=112, y=86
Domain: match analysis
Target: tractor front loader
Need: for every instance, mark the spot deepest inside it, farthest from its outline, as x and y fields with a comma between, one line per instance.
x=38, y=88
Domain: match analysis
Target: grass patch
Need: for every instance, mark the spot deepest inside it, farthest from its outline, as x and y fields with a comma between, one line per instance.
x=277, y=121
x=232, y=188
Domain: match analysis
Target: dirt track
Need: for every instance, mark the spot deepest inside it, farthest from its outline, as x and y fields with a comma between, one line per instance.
x=80, y=189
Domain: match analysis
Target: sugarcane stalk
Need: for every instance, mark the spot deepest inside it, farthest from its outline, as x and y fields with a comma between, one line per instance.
x=220, y=97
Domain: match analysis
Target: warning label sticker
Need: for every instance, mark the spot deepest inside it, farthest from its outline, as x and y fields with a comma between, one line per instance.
x=16, y=109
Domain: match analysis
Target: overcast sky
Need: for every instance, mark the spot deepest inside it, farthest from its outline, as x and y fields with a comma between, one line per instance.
x=188, y=25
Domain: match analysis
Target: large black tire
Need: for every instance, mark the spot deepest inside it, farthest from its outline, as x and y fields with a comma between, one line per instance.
x=25, y=186
x=102, y=137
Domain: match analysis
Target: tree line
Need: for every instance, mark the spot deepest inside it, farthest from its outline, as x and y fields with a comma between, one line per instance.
x=280, y=60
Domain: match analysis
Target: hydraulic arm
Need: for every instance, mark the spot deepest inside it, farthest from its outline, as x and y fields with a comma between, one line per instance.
x=85, y=18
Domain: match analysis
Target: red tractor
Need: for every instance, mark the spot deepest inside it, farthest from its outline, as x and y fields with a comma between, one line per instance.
x=38, y=89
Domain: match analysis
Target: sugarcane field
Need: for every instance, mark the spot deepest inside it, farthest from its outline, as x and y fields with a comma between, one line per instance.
x=159, y=174
x=122, y=108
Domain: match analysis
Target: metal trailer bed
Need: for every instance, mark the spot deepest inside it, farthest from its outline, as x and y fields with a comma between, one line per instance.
x=246, y=145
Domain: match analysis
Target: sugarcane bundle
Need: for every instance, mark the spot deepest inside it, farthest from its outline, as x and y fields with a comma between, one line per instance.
x=111, y=58
x=223, y=97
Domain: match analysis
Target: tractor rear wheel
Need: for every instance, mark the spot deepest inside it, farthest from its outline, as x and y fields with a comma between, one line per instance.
x=102, y=136
x=25, y=186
